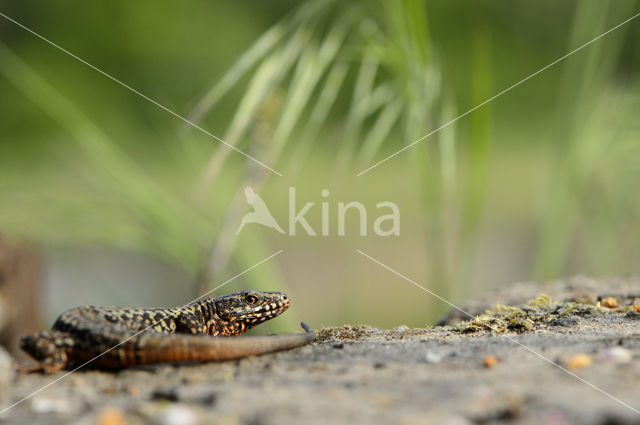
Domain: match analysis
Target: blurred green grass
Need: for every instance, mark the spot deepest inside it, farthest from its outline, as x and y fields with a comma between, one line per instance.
x=540, y=183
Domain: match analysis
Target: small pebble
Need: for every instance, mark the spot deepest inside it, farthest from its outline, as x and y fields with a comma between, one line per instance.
x=402, y=328
x=565, y=321
x=610, y=302
x=169, y=394
x=50, y=405
x=636, y=308
x=632, y=314
x=617, y=355
x=111, y=416
x=432, y=357
x=176, y=415
x=579, y=361
x=490, y=361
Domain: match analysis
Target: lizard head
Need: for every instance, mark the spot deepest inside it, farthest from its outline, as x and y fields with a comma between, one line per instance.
x=239, y=312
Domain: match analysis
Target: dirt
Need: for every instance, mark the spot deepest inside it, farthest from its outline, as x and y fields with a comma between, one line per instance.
x=362, y=375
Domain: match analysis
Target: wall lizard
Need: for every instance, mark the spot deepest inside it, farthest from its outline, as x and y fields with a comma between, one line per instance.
x=193, y=333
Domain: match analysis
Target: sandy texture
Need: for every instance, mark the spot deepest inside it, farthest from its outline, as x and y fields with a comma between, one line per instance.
x=362, y=375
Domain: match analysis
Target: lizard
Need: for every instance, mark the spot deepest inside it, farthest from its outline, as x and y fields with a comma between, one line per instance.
x=117, y=338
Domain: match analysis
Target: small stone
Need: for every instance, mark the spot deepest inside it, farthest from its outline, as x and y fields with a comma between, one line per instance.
x=564, y=321
x=490, y=361
x=617, y=355
x=51, y=405
x=636, y=308
x=433, y=357
x=579, y=361
x=176, y=415
x=402, y=328
x=111, y=416
x=169, y=394
x=632, y=314
x=610, y=302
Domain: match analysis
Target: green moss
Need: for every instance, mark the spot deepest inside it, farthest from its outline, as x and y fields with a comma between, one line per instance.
x=536, y=313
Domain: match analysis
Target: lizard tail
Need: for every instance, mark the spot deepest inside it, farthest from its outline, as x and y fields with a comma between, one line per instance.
x=153, y=349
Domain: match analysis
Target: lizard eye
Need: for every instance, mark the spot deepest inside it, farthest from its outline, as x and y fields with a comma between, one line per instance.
x=251, y=299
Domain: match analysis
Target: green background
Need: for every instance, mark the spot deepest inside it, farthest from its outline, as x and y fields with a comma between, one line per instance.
x=121, y=198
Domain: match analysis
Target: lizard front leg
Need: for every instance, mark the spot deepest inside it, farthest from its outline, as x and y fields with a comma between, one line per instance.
x=49, y=349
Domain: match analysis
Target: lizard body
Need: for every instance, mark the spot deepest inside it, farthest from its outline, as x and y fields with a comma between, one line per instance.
x=112, y=337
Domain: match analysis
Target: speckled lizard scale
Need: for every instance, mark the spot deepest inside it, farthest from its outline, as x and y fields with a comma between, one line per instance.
x=124, y=337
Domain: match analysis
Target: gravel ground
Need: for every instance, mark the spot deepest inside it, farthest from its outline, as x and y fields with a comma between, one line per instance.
x=361, y=375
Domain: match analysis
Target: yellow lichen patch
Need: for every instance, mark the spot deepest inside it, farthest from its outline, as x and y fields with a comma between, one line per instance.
x=537, y=313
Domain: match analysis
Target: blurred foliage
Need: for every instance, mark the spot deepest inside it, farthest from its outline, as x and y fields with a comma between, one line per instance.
x=342, y=84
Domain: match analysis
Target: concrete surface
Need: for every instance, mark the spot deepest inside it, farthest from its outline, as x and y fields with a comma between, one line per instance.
x=361, y=375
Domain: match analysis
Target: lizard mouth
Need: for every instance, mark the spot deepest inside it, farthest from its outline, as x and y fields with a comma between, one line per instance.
x=266, y=311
